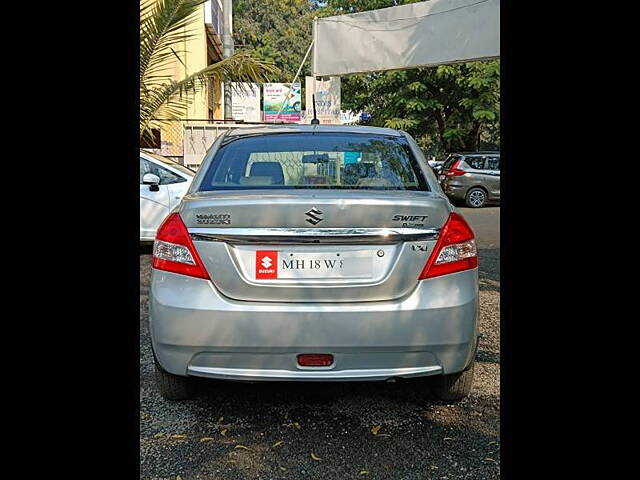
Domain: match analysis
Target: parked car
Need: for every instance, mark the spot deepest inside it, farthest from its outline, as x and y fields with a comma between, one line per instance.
x=163, y=183
x=436, y=166
x=472, y=177
x=314, y=253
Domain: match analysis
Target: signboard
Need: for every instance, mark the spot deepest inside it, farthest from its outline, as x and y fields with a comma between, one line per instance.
x=327, y=100
x=245, y=101
x=284, y=98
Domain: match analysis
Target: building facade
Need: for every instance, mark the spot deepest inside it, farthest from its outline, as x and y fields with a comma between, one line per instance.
x=202, y=49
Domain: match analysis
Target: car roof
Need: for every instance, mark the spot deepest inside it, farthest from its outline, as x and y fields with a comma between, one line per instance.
x=301, y=128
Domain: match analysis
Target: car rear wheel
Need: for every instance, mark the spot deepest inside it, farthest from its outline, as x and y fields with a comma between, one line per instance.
x=476, y=198
x=454, y=387
x=173, y=387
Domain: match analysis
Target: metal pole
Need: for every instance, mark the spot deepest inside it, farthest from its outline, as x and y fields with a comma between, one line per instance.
x=313, y=63
x=294, y=81
x=227, y=51
x=314, y=36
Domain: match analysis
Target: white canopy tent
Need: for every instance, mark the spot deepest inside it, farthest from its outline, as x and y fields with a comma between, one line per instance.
x=428, y=33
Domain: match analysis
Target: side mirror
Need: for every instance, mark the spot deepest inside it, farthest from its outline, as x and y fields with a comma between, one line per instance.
x=152, y=180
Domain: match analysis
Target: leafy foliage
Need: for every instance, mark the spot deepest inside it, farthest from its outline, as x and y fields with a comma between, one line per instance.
x=277, y=31
x=447, y=108
x=164, y=29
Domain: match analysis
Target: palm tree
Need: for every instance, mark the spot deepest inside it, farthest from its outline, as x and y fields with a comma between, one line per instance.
x=163, y=29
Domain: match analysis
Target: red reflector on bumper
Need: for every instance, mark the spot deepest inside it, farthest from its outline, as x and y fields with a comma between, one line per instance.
x=315, y=359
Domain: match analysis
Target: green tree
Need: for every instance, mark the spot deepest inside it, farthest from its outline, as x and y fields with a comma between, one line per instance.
x=447, y=108
x=342, y=7
x=164, y=27
x=277, y=31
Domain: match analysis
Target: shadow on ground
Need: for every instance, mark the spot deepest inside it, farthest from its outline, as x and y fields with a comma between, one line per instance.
x=489, y=269
x=417, y=436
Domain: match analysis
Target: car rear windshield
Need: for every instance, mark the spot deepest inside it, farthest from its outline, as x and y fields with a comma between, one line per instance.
x=448, y=163
x=314, y=160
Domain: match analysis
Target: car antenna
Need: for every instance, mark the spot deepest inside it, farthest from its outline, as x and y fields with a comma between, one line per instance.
x=315, y=120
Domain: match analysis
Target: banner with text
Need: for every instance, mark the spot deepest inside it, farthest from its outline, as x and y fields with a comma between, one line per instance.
x=245, y=101
x=284, y=98
x=327, y=100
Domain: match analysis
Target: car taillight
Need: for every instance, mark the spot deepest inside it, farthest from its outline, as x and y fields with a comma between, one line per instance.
x=173, y=250
x=454, y=171
x=455, y=250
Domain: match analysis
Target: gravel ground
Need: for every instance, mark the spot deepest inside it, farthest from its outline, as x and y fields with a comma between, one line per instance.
x=273, y=430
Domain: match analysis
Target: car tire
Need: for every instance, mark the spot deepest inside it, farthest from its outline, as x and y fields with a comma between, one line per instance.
x=476, y=198
x=173, y=387
x=456, y=386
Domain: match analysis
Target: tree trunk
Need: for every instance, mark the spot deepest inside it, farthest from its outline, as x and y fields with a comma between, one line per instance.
x=441, y=128
x=472, y=141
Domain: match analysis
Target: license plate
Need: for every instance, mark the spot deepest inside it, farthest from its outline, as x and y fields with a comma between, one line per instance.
x=277, y=264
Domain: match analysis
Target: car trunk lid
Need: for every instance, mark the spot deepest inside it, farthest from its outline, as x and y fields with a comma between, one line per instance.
x=311, y=245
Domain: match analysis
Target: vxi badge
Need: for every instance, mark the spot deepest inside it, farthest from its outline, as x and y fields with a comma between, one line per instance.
x=410, y=220
x=315, y=216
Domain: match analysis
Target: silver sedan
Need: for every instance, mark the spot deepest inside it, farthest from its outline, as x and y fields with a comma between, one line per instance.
x=314, y=253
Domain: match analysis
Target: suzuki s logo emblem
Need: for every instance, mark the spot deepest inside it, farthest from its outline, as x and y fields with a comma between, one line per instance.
x=314, y=216
x=266, y=264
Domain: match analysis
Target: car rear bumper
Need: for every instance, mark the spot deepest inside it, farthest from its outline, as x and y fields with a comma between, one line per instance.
x=197, y=331
x=458, y=192
x=316, y=375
